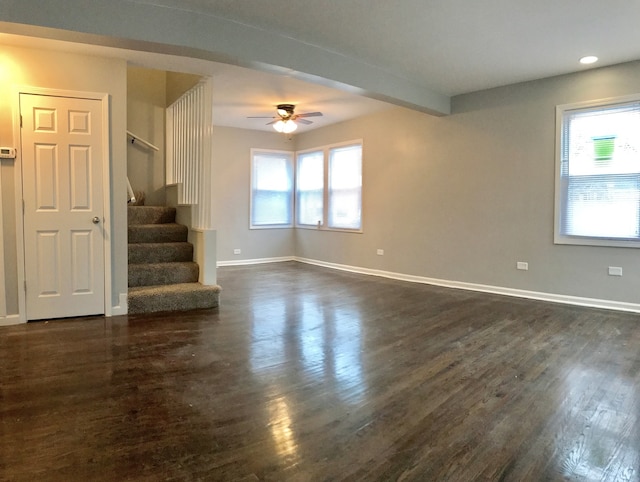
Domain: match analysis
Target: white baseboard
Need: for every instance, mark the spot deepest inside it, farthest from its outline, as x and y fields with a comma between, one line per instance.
x=244, y=262
x=122, y=308
x=10, y=320
x=498, y=290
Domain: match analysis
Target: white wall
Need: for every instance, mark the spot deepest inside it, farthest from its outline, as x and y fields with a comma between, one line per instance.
x=231, y=168
x=41, y=68
x=146, y=102
x=464, y=197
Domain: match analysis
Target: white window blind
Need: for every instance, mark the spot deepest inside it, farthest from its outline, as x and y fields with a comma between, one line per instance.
x=345, y=187
x=310, y=188
x=599, y=174
x=271, y=189
x=329, y=187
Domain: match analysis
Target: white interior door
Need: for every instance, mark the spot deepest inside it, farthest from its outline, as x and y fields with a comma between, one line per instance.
x=63, y=206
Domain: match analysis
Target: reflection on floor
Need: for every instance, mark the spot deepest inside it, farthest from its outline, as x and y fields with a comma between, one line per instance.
x=304, y=373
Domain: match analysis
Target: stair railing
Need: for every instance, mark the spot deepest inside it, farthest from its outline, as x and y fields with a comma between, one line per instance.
x=189, y=149
x=134, y=138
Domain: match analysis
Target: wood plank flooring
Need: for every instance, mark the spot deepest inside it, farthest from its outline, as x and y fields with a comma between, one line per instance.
x=309, y=374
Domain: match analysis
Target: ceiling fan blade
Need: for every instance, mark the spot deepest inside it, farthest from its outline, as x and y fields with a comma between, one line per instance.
x=310, y=114
x=261, y=117
x=303, y=121
x=272, y=122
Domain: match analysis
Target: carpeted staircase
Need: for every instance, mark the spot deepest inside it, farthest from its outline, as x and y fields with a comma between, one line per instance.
x=162, y=274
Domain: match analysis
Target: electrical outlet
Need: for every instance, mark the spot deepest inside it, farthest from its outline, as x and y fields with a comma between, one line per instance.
x=523, y=265
x=615, y=271
x=380, y=252
x=237, y=251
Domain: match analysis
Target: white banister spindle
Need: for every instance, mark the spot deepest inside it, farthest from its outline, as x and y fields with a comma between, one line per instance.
x=189, y=131
x=169, y=141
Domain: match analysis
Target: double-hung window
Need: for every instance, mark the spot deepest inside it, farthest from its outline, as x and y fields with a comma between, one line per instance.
x=310, y=188
x=329, y=187
x=271, y=189
x=598, y=173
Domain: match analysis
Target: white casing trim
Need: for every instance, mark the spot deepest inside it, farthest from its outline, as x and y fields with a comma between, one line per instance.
x=123, y=305
x=10, y=320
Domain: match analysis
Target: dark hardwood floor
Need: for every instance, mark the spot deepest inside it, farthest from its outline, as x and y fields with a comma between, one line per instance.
x=309, y=374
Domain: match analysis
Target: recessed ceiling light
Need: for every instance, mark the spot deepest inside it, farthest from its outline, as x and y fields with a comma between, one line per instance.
x=589, y=59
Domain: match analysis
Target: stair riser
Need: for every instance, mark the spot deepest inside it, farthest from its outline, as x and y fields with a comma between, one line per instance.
x=149, y=302
x=157, y=233
x=160, y=252
x=162, y=274
x=150, y=215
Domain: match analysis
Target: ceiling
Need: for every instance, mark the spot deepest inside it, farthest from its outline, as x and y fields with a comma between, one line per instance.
x=238, y=92
x=449, y=47
x=452, y=46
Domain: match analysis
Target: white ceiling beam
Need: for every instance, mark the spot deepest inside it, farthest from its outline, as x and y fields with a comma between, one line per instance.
x=141, y=26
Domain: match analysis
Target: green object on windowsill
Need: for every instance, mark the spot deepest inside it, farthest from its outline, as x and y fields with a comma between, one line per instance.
x=603, y=147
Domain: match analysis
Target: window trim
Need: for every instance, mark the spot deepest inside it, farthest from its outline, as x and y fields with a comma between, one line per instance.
x=326, y=149
x=559, y=201
x=291, y=155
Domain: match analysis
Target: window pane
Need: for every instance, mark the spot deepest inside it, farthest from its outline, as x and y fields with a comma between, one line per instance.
x=604, y=142
x=603, y=207
x=310, y=188
x=272, y=189
x=345, y=187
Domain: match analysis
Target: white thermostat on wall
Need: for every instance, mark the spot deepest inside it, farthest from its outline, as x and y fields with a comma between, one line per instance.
x=7, y=153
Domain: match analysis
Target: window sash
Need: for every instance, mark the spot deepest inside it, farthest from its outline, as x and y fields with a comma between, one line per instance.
x=606, y=207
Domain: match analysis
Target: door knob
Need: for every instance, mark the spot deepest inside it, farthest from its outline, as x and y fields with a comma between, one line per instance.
x=95, y=220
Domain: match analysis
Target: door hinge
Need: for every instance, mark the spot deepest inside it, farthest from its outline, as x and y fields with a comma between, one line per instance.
x=20, y=120
x=23, y=208
x=25, y=286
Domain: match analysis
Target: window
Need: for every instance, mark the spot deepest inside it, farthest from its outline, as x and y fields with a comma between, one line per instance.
x=310, y=188
x=598, y=174
x=329, y=187
x=271, y=189
x=345, y=187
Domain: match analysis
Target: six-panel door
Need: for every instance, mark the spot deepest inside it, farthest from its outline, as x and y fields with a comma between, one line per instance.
x=63, y=217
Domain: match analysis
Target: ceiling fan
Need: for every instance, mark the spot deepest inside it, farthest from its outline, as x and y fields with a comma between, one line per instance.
x=286, y=120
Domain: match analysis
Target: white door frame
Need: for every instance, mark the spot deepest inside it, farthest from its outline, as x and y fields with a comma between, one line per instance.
x=106, y=180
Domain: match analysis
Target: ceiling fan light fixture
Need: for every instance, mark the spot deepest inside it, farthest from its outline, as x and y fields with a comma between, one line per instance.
x=285, y=126
x=285, y=110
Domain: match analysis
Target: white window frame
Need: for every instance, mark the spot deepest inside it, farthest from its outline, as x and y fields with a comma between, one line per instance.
x=560, y=204
x=326, y=150
x=291, y=169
